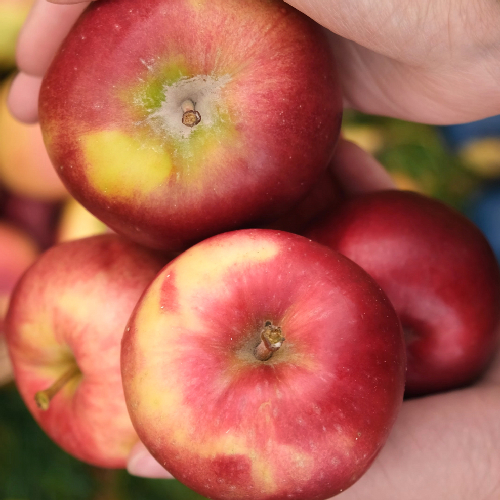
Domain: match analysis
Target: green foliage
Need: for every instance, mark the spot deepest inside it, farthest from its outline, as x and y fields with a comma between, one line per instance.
x=32, y=467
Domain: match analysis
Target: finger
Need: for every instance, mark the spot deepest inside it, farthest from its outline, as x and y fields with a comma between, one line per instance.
x=357, y=171
x=42, y=34
x=23, y=97
x=141, y=463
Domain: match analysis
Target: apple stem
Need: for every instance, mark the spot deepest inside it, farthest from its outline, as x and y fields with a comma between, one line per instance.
x=190, y=116
x=270, y=341
x=42, y=398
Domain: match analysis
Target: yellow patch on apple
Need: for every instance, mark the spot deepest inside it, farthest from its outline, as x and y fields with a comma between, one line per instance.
x=123, y=166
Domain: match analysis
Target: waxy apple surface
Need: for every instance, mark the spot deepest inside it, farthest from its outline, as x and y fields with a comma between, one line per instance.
x=67, y=316
x=306, y=423
x=261, y=76
x=438, y=271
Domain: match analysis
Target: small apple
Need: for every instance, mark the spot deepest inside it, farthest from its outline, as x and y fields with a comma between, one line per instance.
x=12, y=16
x=63, y=329
x=439, y=272
x=261, y=365
x=196, y=117
x=25, y=166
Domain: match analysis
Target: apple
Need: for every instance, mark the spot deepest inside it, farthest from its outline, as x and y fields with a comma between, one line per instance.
x=325, y=195
x=174, y=120
x=261, y=365
x=63, y=329
x=17, y=252
x=439, y=272
x=13, y=13
x=25, y=166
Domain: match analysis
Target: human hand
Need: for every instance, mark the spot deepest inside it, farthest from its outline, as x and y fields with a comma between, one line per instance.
x=433, y=62
x=441, y=446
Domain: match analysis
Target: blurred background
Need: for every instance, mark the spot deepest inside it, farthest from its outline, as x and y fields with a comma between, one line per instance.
x=458, y=164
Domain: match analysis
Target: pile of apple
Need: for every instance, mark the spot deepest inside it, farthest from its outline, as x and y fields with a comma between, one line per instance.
x=252, y=327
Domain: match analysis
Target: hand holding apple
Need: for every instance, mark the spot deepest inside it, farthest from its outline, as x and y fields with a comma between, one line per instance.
x=63, y=329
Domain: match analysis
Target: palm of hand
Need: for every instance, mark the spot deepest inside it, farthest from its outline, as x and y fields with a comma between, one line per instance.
x=425, y=61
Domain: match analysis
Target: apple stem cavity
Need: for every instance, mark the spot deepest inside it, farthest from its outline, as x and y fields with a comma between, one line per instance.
x=42, y=398
x=270, y=341
x=190, y=116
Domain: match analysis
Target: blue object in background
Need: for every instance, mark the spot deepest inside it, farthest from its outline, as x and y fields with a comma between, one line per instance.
x=484, y=210
x=458, y=136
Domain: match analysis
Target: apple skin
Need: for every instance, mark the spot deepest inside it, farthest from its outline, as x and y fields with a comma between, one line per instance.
x=439, y=272
x=70, y=308
x=263, y=77
x=17, y=252
x=25, y=166
x=305, y=424
x=324, y=196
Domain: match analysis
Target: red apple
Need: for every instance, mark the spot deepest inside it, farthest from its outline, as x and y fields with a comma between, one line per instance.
x=119, y=110
x=439, y=272
x=25, y=166
x=325, y=195
x=64, y=328
x=235, y=411
x=17, y=252
x=12, y=16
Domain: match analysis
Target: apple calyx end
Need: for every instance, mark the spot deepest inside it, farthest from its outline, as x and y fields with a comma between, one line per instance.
x=190, y=117
x=43, y=398
x=271, y=339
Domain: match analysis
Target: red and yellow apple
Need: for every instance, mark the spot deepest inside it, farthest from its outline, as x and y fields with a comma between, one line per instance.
x=261, y=365
x=17, y=252
x=63, y=329
x=13, y=13
x=25, y=166
x=174, y=120
x=438, y=271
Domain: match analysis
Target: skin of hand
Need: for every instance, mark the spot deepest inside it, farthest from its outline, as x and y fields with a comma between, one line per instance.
x=419, y=60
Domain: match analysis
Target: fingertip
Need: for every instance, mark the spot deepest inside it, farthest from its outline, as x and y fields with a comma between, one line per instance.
x=43, y=32
x=22, y=99
x=141, y=463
